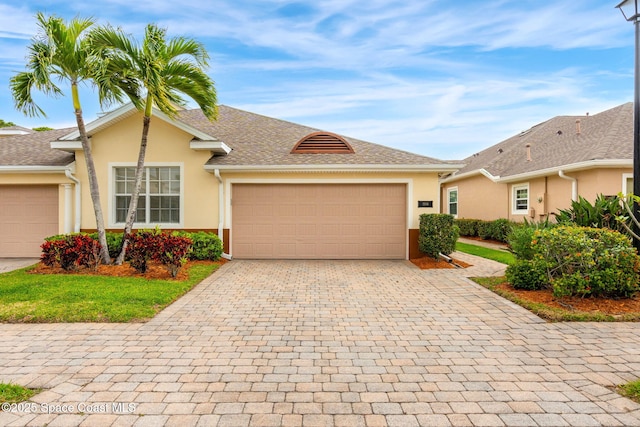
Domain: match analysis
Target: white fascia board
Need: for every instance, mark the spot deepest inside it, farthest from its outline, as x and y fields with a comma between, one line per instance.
x=333, y=167
x=70, y=146
x=217, y=147
x=484, y=172
x=111, y=117
x=13, y=132
x=590, y=164
x=129, y=110
x=34, y=169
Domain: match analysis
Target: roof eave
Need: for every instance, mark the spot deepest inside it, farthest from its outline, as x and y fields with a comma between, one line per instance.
x=35, y=169
x=128, y=110
x=590, y=164
x=335, y=167
x=486, y=173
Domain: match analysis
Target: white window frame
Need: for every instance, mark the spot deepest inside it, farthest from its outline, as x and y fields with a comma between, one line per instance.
x=112, y=196
x=625, y=188
x=514, y=199
x=449, y=191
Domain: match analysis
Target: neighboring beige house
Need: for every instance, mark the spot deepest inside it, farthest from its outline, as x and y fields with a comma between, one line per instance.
x=269, y=188
x=541, y=170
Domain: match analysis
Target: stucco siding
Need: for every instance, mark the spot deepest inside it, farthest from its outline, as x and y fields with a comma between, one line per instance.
x=167, y=145
x=479, y=198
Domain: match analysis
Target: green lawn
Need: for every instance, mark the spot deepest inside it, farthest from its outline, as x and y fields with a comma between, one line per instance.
x=493, y=254
x=40, y=298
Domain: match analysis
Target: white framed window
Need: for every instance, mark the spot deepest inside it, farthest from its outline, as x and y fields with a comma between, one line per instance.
x=627, y=183
x=520, y=199
x=452, y=201
x=160, y=201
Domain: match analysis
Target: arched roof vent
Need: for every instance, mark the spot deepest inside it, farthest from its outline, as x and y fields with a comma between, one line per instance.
x=322, y=142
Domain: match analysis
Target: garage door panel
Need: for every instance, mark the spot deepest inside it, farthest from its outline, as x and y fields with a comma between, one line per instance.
x=322, y=221
x=28, y=214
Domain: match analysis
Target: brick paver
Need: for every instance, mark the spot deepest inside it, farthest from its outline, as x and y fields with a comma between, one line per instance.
x=337, y=343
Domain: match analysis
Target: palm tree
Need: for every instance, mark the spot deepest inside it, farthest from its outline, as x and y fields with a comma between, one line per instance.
x=61, y=51
x=165, y=70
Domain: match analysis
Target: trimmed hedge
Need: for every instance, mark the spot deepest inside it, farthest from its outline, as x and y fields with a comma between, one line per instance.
x=497, y=230
x=468, y=227
x=438, y=234
x=206, y=245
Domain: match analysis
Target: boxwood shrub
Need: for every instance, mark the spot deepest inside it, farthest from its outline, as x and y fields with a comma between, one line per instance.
x=438, y=234
x=206, y=245
x=467, y=227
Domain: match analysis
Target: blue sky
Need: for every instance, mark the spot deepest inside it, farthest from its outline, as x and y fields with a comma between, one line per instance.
x=440, y=78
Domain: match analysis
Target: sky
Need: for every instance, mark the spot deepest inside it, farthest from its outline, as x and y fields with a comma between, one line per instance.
x=440, y=78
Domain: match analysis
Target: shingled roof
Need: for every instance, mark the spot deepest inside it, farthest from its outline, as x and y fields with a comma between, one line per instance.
x=563, y=141
x=255, y=141
x=258, y=140
x=34, y=149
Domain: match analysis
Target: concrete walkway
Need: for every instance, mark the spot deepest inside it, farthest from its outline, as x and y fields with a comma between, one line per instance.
x=326, y=343
x=10, y=264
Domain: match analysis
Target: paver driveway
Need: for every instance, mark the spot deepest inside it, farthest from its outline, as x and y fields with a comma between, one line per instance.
x=344, y=343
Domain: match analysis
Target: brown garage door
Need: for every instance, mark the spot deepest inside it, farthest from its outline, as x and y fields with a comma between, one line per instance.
x=319, y=221
x=28, y=214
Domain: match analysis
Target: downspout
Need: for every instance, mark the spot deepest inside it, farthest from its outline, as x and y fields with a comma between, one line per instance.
x=574, y=185
x=221, y=211
x=78, y=186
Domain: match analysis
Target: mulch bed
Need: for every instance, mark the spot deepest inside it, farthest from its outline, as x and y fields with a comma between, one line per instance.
x=427, y=263
x=154, y=270
x=590, y=305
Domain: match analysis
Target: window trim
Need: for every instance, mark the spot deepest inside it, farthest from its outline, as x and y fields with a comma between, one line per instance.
x=112, y=195
x=449, y=191
x=625, y=179
x=514, y=190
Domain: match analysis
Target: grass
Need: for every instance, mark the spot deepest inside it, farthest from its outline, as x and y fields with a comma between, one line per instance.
x=493, y=254
x=630, y=390
x=11, y=393
x=551, y=314
x=50, y=298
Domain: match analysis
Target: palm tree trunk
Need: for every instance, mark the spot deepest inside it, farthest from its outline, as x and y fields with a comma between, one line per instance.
x=93, y=179
x=133, y=203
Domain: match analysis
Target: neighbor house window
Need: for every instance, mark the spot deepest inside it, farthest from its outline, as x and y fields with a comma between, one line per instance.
x=159, y=201
x=627, y=183
x=521, y=199
x=452, y=207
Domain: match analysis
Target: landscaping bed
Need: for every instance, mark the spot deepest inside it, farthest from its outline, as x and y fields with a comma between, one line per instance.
x=545, y=305
x=427, y=263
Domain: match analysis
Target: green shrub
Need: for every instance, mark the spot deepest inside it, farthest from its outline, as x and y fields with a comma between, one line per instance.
x=500, y=229
x=601, y=214
x=206, y=246
x=588, y=261
x=467, y=227
x=484, y=229
x=528, y=274
x=438, y=234
x=521, y=236
x=114, y=242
